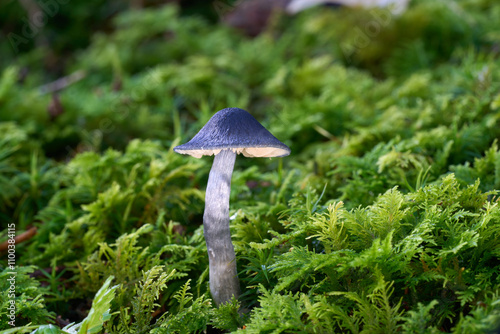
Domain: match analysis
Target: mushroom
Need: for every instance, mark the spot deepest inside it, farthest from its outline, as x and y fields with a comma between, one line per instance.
x=229, y=132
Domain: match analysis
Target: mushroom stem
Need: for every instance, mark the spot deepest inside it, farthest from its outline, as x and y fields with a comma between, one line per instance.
x=222, y=260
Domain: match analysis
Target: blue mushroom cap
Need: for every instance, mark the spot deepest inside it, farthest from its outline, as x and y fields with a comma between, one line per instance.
x=237, y=130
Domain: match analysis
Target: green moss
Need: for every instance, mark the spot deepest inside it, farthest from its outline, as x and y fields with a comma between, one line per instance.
x=384, y=219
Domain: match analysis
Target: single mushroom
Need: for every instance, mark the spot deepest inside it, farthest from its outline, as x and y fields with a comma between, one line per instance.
x=229, y=132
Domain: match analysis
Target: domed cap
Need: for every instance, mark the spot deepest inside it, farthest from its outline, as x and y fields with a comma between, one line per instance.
x=235, y=129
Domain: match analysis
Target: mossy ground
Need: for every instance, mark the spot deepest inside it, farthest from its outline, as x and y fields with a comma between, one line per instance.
x=384, y=219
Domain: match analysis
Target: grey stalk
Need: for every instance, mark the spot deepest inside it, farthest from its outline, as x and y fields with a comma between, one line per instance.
x=222, y=260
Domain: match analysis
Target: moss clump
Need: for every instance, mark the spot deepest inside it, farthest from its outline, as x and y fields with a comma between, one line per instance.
x=384, y=219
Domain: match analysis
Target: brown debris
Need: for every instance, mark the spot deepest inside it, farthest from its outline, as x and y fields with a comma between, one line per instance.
x=55, y=107
x=252, y=16
x=19, y=238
